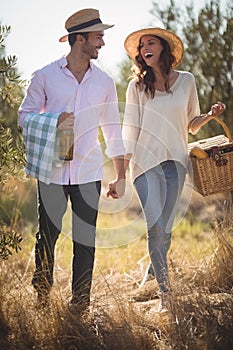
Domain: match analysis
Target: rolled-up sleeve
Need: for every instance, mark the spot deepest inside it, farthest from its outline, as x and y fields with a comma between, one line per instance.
x=34, y=101
x=111, y=124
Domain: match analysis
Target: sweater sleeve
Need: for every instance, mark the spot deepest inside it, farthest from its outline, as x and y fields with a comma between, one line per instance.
x=131, y=123
x=193, y=106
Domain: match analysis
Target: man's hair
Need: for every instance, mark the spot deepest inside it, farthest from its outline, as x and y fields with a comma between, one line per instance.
x=72, y=37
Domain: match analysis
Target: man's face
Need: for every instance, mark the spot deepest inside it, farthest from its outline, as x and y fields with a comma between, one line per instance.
x=94, y=43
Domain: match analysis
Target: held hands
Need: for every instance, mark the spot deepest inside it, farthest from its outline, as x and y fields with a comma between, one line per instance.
x=217, y=109
x=65, y=121
x=116, y=188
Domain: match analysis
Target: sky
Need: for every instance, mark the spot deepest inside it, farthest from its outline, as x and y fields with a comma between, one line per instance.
x=36, y=27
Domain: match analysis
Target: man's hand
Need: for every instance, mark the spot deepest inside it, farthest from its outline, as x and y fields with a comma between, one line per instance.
x=65, y=121
x=116, y=188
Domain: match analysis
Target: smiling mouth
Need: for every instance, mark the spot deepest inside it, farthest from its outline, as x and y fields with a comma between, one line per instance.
x=148, y=55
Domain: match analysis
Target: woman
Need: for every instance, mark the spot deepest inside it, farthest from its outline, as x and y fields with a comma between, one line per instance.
x=161, y=107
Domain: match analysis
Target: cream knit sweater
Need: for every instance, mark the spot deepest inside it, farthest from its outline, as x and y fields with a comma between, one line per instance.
x=156, y=130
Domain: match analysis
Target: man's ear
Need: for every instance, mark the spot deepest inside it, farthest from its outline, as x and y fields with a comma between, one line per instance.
x=80, y=38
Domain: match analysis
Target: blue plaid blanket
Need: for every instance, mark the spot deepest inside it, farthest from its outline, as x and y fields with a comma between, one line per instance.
x=39, y=131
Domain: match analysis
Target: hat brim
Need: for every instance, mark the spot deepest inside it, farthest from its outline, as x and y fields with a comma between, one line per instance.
x=177, y=48
x=95, y=28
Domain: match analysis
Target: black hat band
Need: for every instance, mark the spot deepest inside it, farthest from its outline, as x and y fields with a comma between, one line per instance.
x=84, y=25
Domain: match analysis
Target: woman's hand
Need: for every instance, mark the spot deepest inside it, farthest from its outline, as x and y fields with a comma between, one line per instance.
x=116, y=188
x=217, y=109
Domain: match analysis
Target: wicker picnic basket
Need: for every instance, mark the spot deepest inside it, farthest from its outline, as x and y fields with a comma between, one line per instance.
x=212, y=163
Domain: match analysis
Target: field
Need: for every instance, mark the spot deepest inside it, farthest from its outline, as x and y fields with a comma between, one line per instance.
x=123, y=315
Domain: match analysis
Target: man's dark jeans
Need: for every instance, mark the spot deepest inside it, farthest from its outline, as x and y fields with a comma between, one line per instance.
x=52, y=201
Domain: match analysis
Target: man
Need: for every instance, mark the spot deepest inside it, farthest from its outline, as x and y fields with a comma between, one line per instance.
x=71, y=93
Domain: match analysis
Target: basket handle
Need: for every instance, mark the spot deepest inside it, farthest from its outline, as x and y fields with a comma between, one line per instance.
x=227, y=131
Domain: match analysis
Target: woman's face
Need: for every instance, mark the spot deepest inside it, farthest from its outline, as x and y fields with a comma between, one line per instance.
x=150, y=49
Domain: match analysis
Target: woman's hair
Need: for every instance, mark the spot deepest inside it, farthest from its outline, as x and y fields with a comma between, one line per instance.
x=145, y=74
x=72, y=37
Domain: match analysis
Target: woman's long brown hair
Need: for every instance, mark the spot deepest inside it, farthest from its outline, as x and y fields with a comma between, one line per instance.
x=145, y=74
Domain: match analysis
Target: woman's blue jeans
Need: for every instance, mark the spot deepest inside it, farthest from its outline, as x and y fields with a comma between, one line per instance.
x=159, y=190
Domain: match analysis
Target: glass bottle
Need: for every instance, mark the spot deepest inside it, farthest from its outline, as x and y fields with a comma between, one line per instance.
x=66, y=142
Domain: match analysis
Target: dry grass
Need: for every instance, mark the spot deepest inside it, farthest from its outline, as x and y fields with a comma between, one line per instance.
x=124, y=316
x=201, y=317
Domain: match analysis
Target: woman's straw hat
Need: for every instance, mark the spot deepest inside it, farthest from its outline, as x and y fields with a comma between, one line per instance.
x=177, y=49
x=86, y=20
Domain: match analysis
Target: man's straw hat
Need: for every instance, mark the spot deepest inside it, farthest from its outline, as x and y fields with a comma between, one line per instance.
x=177, y=49
x=86, y=20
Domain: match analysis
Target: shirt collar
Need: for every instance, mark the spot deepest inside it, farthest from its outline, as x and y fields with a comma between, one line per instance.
x=63, y=63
